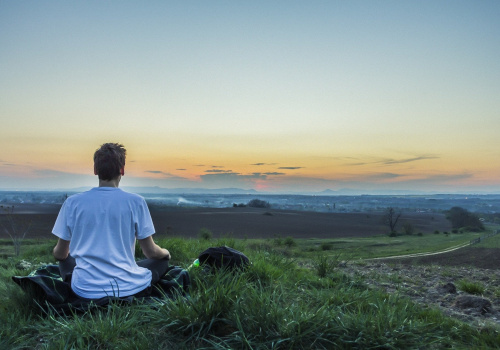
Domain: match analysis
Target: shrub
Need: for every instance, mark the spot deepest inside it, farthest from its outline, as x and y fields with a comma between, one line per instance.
x=257, y=203
x=420, y=234
x=454, y=230
x=205, y=234
x=326, y=246
x=290, y=242
x=436, y=232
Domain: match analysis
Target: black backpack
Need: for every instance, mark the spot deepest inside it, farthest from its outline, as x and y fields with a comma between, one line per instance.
x=224, y=257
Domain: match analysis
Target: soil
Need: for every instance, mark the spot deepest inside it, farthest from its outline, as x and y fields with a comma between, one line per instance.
x=248, y=222
x=266, y=223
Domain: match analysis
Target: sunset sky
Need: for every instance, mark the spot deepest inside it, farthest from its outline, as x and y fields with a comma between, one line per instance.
x=276, y=96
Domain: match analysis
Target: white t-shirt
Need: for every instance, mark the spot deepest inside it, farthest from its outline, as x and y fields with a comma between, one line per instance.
x=102, y=226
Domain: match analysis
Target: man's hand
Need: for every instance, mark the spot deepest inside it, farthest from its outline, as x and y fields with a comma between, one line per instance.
x=167, y=254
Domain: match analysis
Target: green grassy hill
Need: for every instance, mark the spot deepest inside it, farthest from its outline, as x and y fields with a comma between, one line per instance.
x=293, y=296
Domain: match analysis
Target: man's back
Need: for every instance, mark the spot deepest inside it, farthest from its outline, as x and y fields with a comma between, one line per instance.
x=102, y=225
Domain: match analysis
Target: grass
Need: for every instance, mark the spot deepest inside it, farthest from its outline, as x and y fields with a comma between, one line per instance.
x=491, y=242
x=471, y=287
x=382, y=246
x=290, y=298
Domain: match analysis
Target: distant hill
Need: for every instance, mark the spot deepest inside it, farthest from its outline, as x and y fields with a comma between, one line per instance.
x=161, y=190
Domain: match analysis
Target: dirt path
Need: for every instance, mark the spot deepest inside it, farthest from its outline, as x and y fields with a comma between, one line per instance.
x=423, y=254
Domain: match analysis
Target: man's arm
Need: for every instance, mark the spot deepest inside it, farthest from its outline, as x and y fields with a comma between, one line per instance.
x=61, y=250
x=152, y=250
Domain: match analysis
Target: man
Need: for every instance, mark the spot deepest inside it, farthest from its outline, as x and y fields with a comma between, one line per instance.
x=99, y=229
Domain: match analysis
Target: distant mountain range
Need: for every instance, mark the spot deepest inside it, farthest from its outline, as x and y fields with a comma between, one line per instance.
x=327, y=192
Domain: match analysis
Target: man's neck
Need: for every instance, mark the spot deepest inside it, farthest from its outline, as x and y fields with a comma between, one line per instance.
x=110, y=183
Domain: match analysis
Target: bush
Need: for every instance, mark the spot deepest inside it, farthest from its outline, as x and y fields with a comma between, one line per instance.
x=436, y=232
x=205, y=234
x=257, y=203
x=326, y=246
x=290, y=242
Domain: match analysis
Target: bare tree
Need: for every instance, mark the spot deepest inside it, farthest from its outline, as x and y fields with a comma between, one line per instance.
x=16, y=229
x=391, y=218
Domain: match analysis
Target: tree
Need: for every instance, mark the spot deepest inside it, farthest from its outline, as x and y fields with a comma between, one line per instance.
x=16, y=229
x=391, y=218
x=462, y=218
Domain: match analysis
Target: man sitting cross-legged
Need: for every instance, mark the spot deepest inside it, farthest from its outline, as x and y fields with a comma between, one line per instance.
x=97, y=231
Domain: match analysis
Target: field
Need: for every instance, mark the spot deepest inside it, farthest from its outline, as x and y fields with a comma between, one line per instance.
x=312, y=284
x=250, y=222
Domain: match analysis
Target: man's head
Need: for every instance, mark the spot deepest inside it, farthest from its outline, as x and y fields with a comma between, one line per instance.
x=109, y=161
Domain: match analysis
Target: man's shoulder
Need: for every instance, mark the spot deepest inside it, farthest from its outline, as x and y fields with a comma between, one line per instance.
x=130, y=195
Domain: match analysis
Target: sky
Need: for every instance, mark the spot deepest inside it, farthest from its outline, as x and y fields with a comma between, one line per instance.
x=276, y=96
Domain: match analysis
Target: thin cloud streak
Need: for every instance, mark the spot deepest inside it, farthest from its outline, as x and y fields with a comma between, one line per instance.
x=259, y=164
x=391, y=161
x=274, y=173
x=408, y=160
x=166, y=175
x=218, y=171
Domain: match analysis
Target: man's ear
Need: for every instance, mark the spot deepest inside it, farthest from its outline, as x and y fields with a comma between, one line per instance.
x=95, y=171
x=122, y=171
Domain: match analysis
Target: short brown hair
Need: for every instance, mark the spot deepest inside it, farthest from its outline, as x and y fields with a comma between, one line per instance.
x=109, y=159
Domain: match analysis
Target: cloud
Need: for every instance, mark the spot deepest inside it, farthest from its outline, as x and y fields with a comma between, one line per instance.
x=389, y=161
x=218, y=171
x=167, y=175
x=291, y=167
x=274, y=173
x=407, y=160
x=259, y=164
x=217, y=166
x=380, y=176
x=225, y=180
x=181, y=169
x=443, y=178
